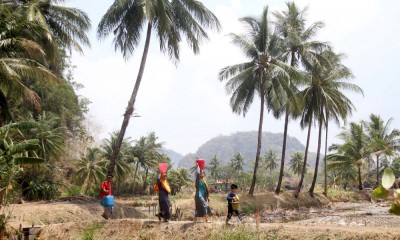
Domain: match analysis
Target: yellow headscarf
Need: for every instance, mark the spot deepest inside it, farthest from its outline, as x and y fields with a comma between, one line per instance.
x=164, y=184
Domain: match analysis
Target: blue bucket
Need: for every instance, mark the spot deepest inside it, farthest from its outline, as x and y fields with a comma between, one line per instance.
x=107, y=201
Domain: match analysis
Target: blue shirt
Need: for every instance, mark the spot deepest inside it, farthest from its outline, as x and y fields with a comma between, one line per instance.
x=230, y=197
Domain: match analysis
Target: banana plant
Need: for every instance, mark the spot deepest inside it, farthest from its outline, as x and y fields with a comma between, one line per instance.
x=15, y=152
x=382, y=192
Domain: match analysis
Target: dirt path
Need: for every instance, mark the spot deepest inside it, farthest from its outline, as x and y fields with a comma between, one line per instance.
x=82, y=220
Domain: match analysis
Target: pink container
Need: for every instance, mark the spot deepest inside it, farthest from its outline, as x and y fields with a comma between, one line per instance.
x=201, y=163
x=163, y=167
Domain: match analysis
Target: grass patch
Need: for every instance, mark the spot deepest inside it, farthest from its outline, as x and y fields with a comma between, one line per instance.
x=340, y=195
x=89, y=232
x=238, y=233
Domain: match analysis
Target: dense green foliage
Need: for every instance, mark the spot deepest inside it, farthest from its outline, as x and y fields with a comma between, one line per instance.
x=40, y=112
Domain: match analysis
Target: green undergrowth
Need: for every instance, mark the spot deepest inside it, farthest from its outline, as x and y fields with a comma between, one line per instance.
x=89, y=232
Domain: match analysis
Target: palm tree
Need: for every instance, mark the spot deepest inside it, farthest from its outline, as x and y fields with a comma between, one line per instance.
x=270, y=160
x=21, y=58
x=146, y=155
x=343, y=171
x=68, y=26
x=51, y=137
x=382, y=140
x=214, y=167
x=170, y=21
x=178, y=179
x=237, y=163
x=262, y=75
x=354, y=150
x=91, y=168
x=122, y=168
x=296, y=163
x=338, y=106
x=299, y=50
x=325, y=94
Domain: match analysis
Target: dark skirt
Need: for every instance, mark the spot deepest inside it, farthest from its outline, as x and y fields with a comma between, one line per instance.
x=202, y=208
x=163, y=200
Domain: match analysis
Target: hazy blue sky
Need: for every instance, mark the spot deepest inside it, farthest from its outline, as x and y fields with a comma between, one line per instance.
x=186, y=104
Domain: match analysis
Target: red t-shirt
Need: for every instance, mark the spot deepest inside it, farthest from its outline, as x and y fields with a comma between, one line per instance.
x=107, y=186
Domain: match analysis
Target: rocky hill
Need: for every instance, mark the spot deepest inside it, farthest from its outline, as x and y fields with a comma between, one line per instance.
x=245, y=143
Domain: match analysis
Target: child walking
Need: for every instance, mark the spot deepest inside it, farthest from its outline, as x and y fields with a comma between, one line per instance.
x=106, y=191
x=233, y=204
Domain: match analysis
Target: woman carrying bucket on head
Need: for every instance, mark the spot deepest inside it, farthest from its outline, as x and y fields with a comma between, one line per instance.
x=202, y=193
x=163, y=189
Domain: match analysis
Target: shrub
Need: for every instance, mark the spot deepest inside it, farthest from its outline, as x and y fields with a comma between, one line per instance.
x=74, y=190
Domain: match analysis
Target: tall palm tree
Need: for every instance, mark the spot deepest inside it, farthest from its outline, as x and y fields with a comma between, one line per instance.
x=354, y=150
x=170, y=20
x=91, y=168
x=263, y=74
x=299, y=50
x=270, y=160
x=325, y=94
x=296, y=163
x=382, y=140
x=338, y=107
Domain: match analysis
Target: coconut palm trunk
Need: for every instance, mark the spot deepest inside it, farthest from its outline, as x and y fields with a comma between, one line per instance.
x=303, y=170
x=145, y=180
x=314, y=181
x=253, y=182
x=311, y=191
x=287, y=113
x=377, y=170
x=88, y=184
x=326, y=153
x=278, y=187
x=134, y=176
x=360, y=185
x=130, y=108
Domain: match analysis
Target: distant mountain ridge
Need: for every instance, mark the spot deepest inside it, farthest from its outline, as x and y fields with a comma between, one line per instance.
x=246, y=143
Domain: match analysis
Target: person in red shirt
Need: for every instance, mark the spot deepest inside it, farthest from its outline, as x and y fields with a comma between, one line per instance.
x=105, y=191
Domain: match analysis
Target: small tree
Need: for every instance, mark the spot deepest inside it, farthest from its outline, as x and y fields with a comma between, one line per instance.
x=214, y=167
x=178, y=179
x=270, y=160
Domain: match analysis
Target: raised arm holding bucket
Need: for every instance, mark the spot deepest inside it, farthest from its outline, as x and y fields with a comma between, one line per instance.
x=202, y=193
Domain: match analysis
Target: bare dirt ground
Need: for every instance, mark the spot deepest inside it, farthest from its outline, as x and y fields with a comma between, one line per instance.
x=82, y=220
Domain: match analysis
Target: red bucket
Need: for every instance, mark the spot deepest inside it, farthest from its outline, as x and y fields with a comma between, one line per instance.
x=201, y=163
x=163, y=167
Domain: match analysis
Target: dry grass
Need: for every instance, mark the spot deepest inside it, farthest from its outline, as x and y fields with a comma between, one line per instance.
x=348, y=196
x=136, y=229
